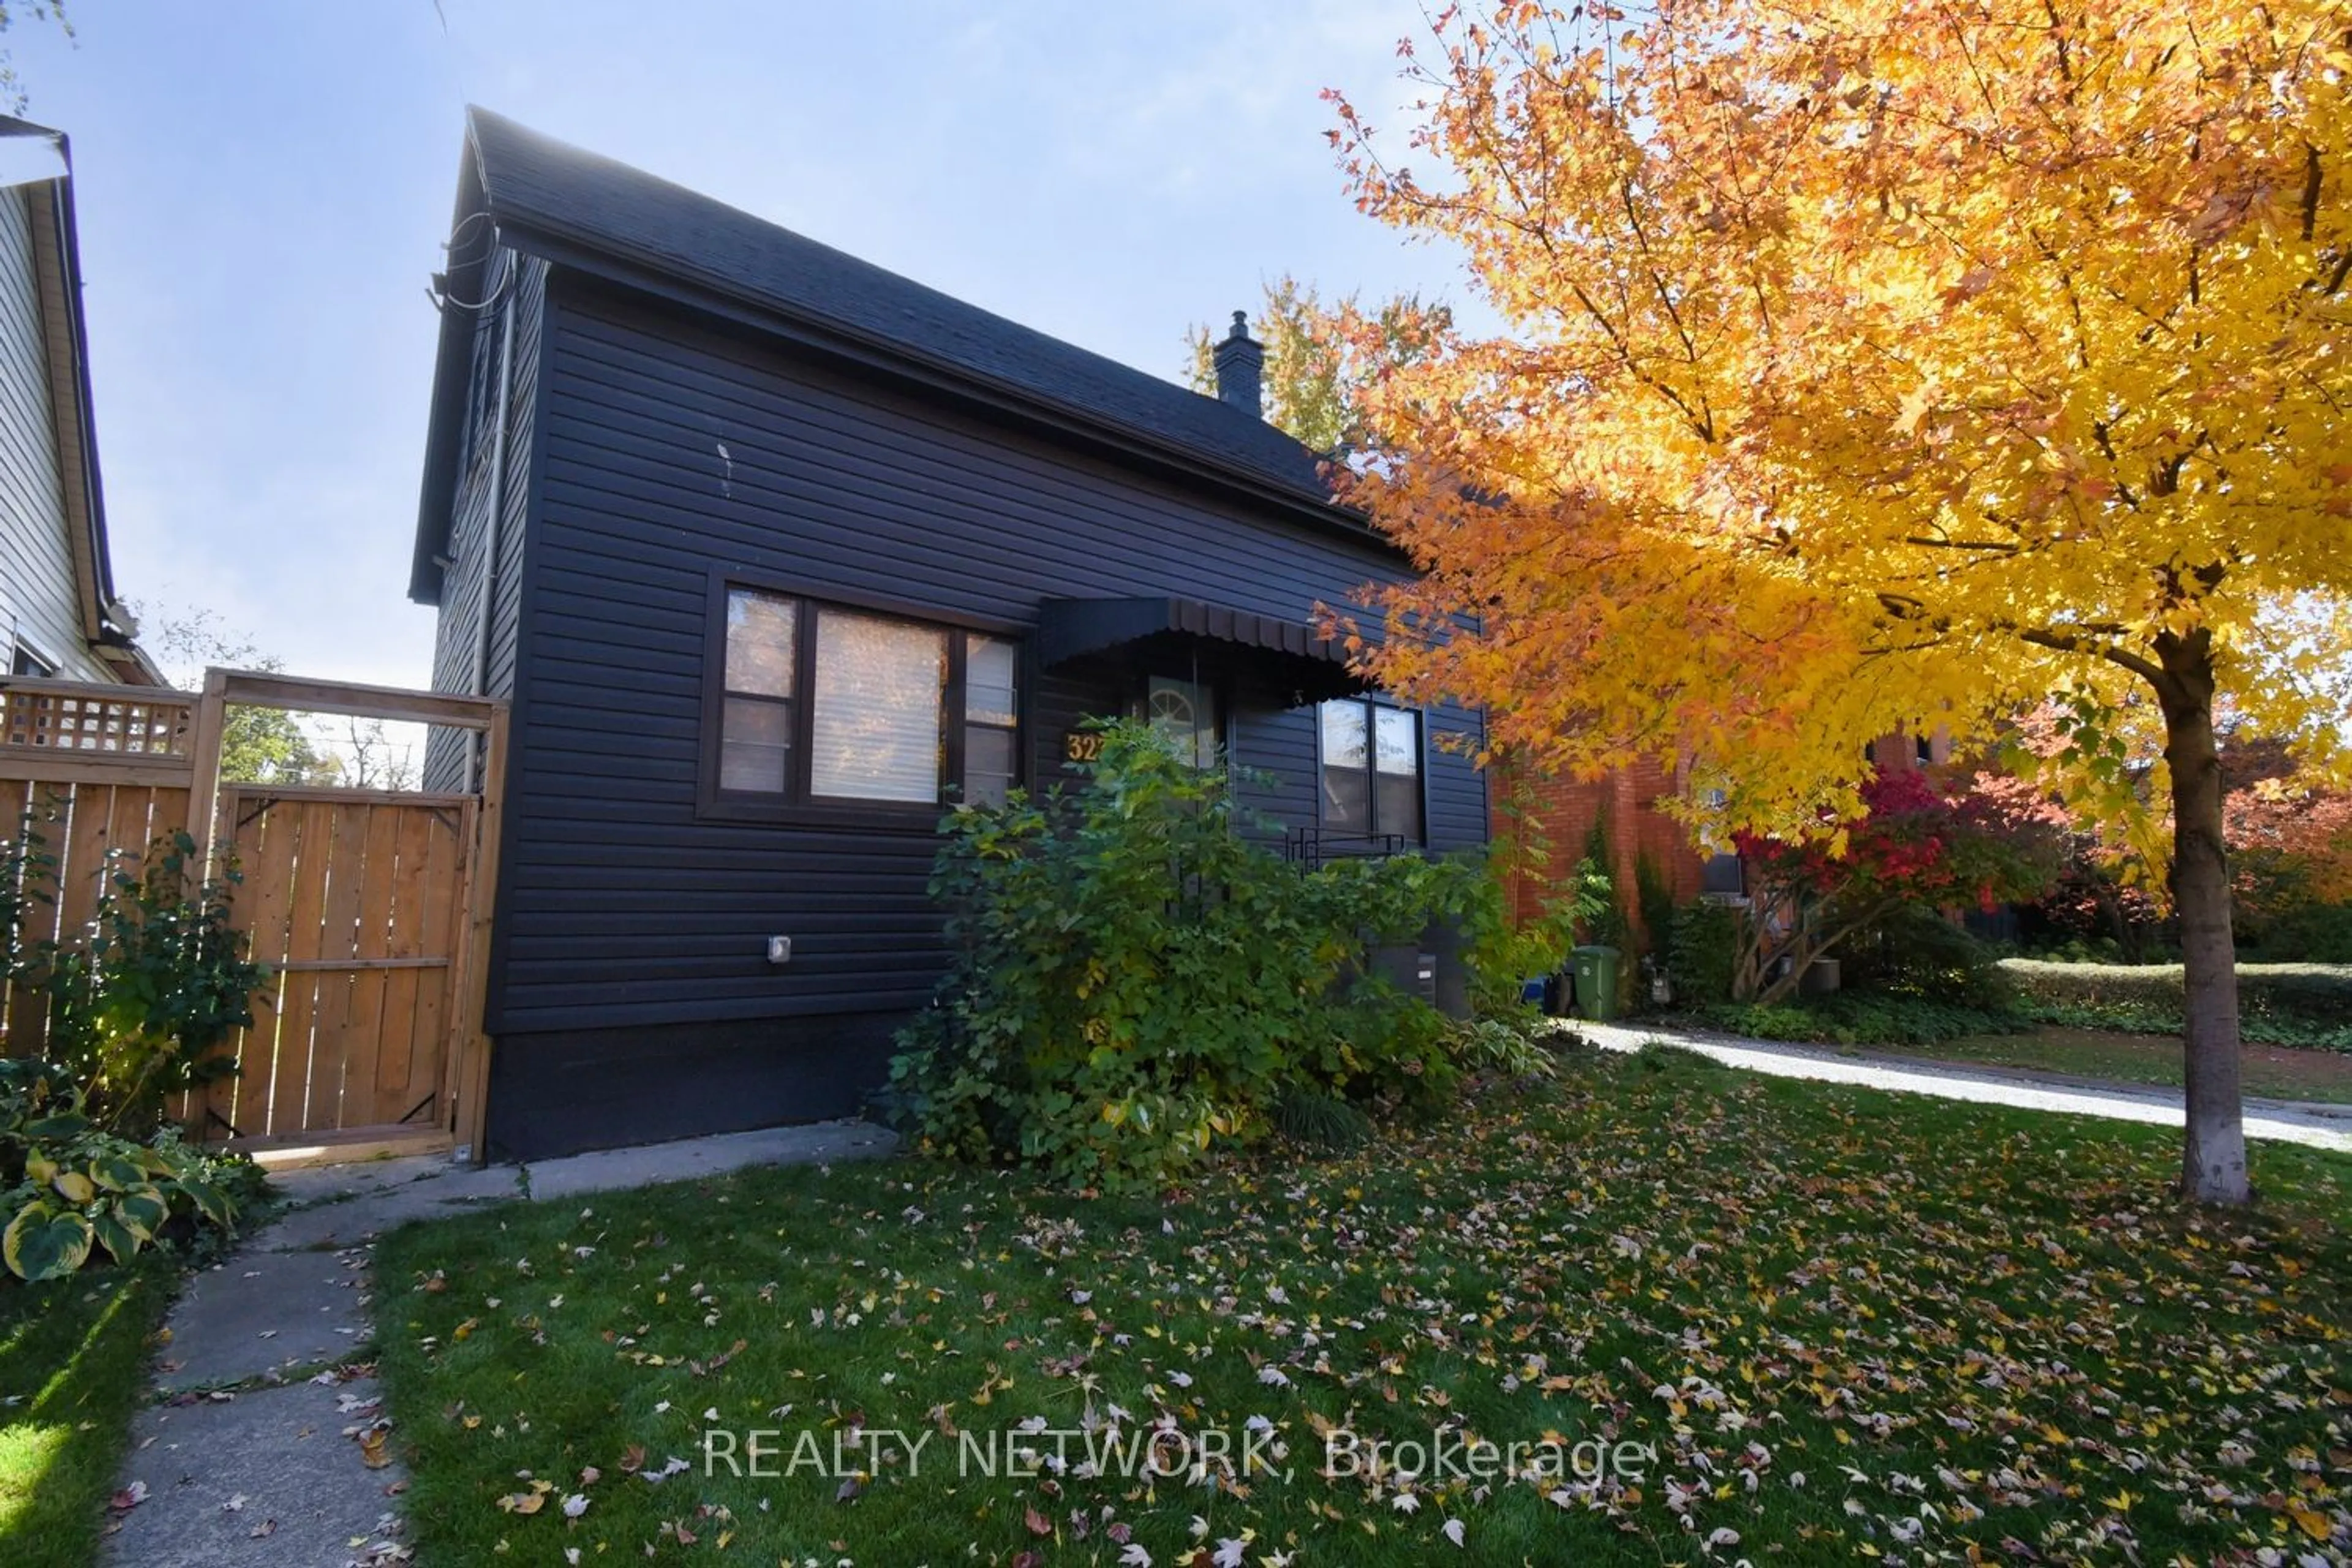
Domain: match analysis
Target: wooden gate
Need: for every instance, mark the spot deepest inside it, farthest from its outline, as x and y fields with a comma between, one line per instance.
x=373, y=909
x=356, y=902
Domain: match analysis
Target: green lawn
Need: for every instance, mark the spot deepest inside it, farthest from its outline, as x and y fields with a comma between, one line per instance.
x=73, y=1356
x=1846, y=1323
x=2276, y=1072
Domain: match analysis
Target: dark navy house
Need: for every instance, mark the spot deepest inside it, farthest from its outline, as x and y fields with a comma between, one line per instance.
x=775, y=554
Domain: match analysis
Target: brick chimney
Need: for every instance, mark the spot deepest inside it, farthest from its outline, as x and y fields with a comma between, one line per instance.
x=1240, y=359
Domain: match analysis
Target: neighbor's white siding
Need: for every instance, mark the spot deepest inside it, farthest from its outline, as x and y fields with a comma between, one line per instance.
x=36, y=578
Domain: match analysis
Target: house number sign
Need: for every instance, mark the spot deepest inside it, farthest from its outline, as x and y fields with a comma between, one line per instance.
x=1082, y=746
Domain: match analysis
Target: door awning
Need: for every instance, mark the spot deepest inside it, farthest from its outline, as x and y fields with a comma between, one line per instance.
x=1290, y=651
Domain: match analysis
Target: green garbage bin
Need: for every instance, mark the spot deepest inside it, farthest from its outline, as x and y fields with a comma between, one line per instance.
x=1595, y=969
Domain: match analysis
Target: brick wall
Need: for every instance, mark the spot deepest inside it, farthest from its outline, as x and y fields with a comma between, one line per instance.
x=1556, y=813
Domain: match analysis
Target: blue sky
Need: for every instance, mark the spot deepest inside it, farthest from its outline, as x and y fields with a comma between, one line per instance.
x=263, y=189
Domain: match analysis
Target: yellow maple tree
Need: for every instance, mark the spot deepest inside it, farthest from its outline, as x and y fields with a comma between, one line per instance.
x=1867, y=364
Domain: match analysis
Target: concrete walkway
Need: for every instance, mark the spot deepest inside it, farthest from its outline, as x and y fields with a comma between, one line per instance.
x=2322, y=1126
x=267, y=1443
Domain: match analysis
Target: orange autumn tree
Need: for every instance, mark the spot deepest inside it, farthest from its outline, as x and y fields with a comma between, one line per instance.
x=1867, y=364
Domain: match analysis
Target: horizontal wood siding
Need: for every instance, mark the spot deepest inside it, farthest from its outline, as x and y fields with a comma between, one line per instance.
x=468, y=550
x=672, y=448
x=1274, y=751
x=1457, y=788
x=37, y=592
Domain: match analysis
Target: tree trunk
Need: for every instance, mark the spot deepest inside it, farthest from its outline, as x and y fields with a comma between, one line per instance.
x=2213, y=1166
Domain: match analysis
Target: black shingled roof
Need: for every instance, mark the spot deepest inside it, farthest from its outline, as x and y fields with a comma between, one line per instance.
x=534, y=182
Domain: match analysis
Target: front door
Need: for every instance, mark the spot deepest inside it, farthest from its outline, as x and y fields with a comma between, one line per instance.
x=1186, y=711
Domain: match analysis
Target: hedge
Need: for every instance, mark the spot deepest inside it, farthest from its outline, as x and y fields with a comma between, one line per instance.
x=2280, y=1003
x=1859, y=1018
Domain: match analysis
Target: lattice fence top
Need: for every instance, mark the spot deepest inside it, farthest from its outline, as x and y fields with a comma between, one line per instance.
x=128, y=721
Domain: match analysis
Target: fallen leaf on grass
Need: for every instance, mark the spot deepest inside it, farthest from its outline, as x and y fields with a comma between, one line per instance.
x=2314, y=1525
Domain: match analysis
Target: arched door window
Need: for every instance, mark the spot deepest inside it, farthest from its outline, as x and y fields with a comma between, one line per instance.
x=1186, y=712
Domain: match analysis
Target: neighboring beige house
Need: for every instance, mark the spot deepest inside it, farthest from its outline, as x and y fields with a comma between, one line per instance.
x=59, y=611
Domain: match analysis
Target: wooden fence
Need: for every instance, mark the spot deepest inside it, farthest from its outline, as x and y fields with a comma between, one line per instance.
x=372, y=909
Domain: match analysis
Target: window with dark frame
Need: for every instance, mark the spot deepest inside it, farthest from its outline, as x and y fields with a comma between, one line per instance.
x=992, y=718
x=822, y=704
x=1724, y=872
x=27, y=662
x=1371, y=771
x=755, y=726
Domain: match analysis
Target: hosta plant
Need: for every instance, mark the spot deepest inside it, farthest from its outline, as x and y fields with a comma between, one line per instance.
x=70, y=1190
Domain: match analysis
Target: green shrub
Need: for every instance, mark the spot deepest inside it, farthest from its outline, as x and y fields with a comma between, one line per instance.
x=1704, y=953
x=1653, y=895
x=1502, y=954
x=1856, y=1019
x=1325, y=1121
x=1603, y=920
x=1665, y=1056
x=2086, y=950
x=2278, y=1004
x=162, y=977
x=2306, y=933
x=138, y=997
x=1916, y=952
x=1763, y=1020
x=136, y=1001
x=1137, y=980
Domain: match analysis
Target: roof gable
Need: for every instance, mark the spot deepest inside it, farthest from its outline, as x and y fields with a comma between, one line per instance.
x=41, y=160
x=536, y=182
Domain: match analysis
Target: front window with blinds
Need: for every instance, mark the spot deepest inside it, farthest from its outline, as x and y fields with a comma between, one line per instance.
x=874, y=710
x=1371, y=771
x=823, y=705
